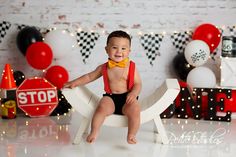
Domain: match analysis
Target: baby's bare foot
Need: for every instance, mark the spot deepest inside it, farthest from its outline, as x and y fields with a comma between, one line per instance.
x=131, y=139
x=91, y=138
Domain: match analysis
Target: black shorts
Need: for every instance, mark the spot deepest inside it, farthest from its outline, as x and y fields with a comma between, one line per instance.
x=119, y=101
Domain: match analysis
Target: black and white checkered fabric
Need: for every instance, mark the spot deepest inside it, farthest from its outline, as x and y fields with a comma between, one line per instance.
x=20, y=26
x=232, y=30
x=4, y=26
x=151, y=43
x=86, y=41
x=180, y=40
x=41, y=30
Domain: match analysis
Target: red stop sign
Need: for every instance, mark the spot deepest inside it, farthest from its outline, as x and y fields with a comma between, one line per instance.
x=37, y=97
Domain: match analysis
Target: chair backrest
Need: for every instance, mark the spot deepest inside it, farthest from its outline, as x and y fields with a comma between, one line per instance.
x=158, y=101
x=82, y=100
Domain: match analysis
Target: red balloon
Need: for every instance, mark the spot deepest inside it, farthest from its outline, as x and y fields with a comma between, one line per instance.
x=209, y=34
x=39, y=55
x=57, y=75
x=183, y=84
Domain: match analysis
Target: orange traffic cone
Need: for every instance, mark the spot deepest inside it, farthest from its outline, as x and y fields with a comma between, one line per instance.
x=7, y=93
x=8, y=81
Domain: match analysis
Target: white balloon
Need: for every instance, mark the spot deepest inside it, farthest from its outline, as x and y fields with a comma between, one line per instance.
x=201, y=77
x=60, y=41
x=197, y=52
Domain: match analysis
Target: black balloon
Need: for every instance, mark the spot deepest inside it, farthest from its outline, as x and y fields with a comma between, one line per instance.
x=26, y=37
x=181, y=66
x=19, y=77
x=63, y=105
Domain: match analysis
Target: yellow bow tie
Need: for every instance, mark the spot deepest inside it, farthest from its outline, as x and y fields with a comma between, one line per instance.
x=120, y=64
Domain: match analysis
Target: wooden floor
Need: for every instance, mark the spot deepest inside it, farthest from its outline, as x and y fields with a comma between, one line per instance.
x=52, y=137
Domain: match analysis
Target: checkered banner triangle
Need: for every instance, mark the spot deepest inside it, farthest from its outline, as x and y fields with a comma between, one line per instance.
x=232, y=30
x=41, y=30
x=4, y=26
x=86, y=41
x=151, y=43
x=180, y=40
x=20, y=26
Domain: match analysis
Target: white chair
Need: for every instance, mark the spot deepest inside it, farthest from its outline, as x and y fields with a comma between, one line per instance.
x=84, y=101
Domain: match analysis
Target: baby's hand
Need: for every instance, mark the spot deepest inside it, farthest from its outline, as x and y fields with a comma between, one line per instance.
x=131, y=98
x=71, y=84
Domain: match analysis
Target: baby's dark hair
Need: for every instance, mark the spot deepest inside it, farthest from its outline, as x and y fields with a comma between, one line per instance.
x=120, y=34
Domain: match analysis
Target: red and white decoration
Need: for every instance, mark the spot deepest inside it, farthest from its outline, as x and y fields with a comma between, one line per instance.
x=37, y=97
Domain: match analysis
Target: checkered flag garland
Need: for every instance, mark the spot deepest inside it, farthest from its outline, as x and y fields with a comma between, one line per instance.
x=86, y=41
x=4, y=26
x=41, y=30
x=180, y=40
x=20, y=27
x=232, y=30
x=151, y=43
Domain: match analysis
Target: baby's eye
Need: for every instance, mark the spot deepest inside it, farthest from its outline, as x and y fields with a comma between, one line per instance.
x=114, y=47
x=123, y=48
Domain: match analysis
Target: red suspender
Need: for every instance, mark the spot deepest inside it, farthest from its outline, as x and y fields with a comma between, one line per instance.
x=130, y=81
x=105, y=79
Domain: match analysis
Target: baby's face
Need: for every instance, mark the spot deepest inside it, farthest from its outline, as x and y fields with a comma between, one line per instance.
x=118, y=48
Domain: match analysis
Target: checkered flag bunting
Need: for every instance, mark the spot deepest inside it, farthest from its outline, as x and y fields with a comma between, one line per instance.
x=232, y=30
x=151, y=43
x=180, y=40
x=4, y=26
x=86, y=41
x=20, y=26
x=41, y=30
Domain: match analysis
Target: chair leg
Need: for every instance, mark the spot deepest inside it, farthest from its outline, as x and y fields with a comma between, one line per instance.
x=161, y=130
x=83, y=128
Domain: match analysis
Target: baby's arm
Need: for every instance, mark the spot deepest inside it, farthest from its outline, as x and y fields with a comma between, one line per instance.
x=89, y=77
x=131, y=97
